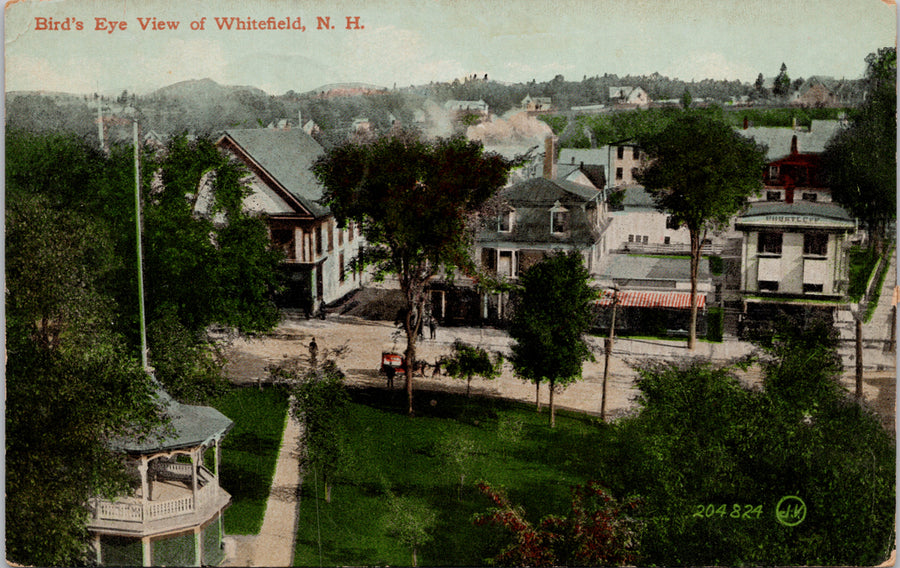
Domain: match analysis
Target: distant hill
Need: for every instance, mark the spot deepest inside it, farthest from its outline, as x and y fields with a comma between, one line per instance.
x=204, y=88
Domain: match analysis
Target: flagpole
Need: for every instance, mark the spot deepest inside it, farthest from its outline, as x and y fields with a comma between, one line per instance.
x=140, y=255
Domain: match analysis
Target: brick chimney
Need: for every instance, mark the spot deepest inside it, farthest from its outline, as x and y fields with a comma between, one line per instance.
x=550, y=157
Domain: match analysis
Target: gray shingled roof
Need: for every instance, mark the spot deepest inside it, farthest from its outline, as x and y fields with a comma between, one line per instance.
x=578, y=156
x=636, y=197
x=815, y=209
x=544, y=191
x=636, y=267
x=532, y=200
x=190, y=426
x=778, y=139
x=286, y=155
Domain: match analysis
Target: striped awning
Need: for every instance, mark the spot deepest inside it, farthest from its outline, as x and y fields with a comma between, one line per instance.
x=678, y=300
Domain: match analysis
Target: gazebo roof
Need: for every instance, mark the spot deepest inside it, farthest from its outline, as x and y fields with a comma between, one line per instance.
x=189, y=426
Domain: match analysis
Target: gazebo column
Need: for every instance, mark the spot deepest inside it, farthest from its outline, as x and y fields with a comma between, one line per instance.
x=97, y=549
x=198, y=551
x=218, y=458
x=143, y=468
x=145, y=551
x=194, y=456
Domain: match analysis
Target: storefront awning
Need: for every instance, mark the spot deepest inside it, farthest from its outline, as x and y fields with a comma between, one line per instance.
x=677, y=300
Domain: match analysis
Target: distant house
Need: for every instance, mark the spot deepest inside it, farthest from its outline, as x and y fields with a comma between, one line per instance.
x=318, y=255
x=459, y=109
x=629, y=97
x=818, y=91
x=536, y=104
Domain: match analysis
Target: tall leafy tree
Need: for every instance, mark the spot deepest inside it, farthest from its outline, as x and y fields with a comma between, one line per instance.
x=414, y=200
x=861, y=161
x=701, y=172
x=553, y=311
x=72, y=381
x=202, y=267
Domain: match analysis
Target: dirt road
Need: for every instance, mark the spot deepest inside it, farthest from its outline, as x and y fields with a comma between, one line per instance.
x=365, y=340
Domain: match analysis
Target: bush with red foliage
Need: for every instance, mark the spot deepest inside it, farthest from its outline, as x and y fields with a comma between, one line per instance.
x=598, y=532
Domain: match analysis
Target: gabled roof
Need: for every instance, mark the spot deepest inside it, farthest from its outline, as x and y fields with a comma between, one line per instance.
x=778, y=139
x=532, y=200
x=542, y=191
x=284, y=157
x=593, y=173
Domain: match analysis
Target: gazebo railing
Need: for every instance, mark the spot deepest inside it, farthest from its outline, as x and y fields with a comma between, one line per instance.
x=131, y=509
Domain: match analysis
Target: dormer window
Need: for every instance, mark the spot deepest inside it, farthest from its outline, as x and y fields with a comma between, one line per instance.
x=505, y=221
x=559, y=219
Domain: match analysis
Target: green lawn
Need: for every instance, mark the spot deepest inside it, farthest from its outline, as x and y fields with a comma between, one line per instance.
x=390, y=451
x=862, y=263
x=249, y=453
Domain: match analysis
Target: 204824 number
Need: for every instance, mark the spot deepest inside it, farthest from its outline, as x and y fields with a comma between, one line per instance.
x=737, y=511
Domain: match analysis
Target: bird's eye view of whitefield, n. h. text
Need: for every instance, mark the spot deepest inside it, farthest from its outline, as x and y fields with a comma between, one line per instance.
x=450, y=283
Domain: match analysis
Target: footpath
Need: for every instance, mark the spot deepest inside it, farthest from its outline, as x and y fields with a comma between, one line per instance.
x=274, y=545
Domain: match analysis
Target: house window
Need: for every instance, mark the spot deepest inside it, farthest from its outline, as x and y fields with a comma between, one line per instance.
x=773, y=173
x=330, y=236
x=671, y=223
x=505, y=264
x=630, y=238
x=646, y=239
x=634, y=172
x=768, y=286
x=770, y=243
x=635, y=153
x=813, y=288
x=319, y=239
x=505, y=221
x=340, y=237
x=620, y=173
x=621, y=152
x=558, y=221
x=815, y=244
x=773, y=196
x=284, y=239
x=667, y=240
x=810, y=197
x=341, y=268
x=350, y=228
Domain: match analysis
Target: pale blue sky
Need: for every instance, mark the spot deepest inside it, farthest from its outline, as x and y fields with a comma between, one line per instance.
x=407, y=42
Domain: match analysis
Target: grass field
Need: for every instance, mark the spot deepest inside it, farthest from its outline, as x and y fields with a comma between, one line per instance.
x=249, y=453
x=388, y=451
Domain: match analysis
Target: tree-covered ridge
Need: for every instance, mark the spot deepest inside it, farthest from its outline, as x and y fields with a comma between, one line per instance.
x=204, y=107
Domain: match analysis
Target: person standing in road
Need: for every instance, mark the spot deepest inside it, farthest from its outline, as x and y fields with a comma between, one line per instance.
x=313, y=352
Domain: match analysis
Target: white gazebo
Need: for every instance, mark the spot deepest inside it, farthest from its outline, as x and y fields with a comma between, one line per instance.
x=174, y=514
